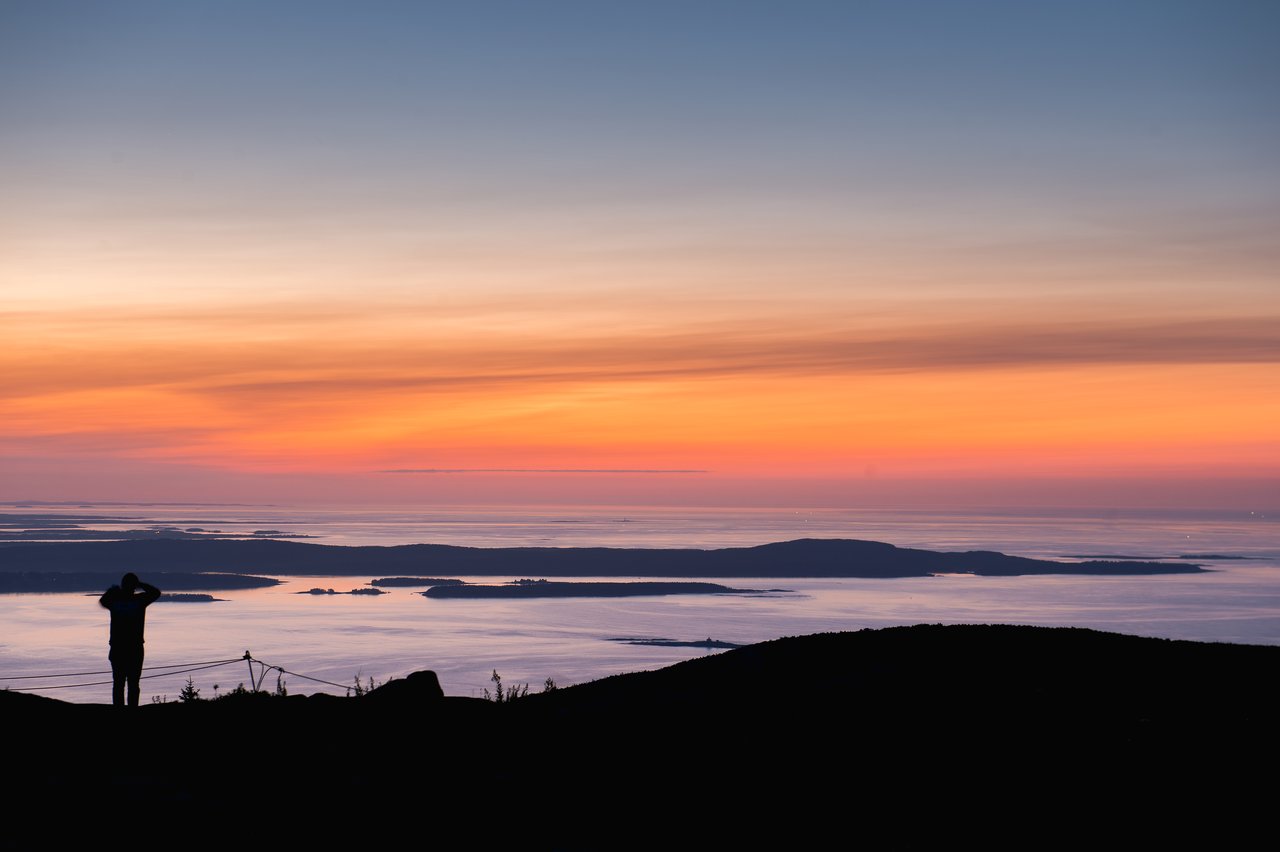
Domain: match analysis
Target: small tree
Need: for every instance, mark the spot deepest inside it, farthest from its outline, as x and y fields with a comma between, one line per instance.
x=189, y=692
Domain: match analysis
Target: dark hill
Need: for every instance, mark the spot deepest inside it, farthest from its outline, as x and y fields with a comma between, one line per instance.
x=899, y=738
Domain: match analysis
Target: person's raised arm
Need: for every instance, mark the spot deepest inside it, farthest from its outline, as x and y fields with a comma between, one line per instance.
x=150, y=592
x=109, y=596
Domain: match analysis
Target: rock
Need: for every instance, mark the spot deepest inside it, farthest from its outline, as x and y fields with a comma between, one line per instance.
x=417, y=687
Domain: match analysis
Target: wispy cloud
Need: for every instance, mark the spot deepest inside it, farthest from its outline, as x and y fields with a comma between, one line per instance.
x=272, y=371
x=538, y=470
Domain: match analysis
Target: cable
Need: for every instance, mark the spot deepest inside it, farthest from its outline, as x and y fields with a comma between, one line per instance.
x=304, y=677
x=108, y=671
x=183, y=668
x=144, y=677
x=64, y=686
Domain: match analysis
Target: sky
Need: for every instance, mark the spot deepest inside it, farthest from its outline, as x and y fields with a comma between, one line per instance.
x=697, y=252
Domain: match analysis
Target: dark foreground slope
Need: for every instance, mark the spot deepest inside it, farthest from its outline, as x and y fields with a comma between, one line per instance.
x=899, y=738
x=801, y=558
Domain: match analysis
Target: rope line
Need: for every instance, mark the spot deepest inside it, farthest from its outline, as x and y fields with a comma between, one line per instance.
x=108, y=671
x=162, y=671
x=144, y=677
x=304, y=677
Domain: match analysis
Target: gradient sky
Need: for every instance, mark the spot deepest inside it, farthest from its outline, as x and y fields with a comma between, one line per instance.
x=818, y=252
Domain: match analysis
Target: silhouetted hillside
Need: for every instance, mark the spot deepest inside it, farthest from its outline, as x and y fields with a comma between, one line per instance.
x=900, y=738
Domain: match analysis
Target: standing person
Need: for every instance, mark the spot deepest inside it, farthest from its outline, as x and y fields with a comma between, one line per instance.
x=128, y=603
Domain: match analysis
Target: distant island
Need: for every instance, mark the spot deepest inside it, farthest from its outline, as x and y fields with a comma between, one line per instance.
x=319, y=591
x=189, y=597
x=415, y=581
x=676, y=643
x=800, y=558
x=12, y=582
x=548, y=589
x=1214, y=557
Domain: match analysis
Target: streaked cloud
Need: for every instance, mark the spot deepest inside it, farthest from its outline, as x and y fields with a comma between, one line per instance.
x=537, y=470
x=328, y=369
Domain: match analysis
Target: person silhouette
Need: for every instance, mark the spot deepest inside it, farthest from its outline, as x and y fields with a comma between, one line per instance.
x=128, y=604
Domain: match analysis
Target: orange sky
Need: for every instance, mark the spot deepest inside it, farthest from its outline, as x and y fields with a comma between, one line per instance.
x=772, y=392
x=843, y=245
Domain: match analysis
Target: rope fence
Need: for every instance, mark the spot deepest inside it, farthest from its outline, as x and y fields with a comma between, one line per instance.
x=166, y=671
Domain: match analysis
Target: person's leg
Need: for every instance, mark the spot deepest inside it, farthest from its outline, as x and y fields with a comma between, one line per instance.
x=117, y=685
x=135, y=672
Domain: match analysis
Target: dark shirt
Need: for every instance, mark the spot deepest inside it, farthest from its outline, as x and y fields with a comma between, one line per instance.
x=128, y=613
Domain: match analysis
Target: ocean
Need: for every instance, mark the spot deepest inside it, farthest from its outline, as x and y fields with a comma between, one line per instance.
x=340, y=638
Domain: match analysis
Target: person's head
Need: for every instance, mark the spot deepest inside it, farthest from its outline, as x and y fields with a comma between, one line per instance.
x=129, y=582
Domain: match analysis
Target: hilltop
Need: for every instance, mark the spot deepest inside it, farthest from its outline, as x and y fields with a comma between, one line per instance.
x=904, y=736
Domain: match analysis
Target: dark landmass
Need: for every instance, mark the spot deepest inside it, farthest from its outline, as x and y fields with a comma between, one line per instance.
x=909, y=737
x=802, y=558
x=415, y=581
x=545, y=589
x=185, y=597
x=56, y=534
x=9, y=520
x=68, y=528
x=1204, y=556
x=1213, y=556
x=60, y=534
x=1125, y=556
x=91, y=581
x=676, y=643
x=319, y=591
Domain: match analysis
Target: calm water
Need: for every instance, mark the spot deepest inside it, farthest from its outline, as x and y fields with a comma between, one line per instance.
x=336, y=638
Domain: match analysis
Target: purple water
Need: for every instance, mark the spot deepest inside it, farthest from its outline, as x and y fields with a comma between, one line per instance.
x=337, y=638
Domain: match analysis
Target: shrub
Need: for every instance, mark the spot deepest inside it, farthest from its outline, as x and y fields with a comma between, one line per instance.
x=239, y=690
x=505, y=695
x=362, y=689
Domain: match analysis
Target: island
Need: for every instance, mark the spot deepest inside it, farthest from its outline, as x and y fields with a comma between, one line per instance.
x=45, y=582
x=415, y=581
x=548, y=589
x=319, y=591
x=676, y=643
x=787, y=559
x=71, y=528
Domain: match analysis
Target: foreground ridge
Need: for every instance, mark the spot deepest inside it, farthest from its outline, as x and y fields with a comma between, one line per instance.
x=913, y=734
